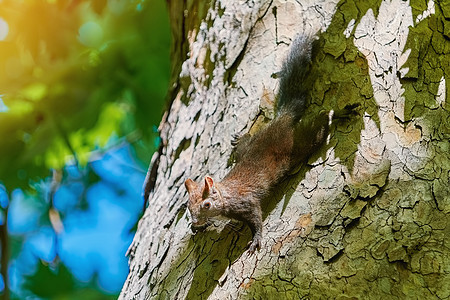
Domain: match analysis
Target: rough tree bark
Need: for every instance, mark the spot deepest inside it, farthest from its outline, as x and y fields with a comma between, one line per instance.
x=367, y=216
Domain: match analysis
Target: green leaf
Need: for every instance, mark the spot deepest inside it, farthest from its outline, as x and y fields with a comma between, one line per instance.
x=50, y=282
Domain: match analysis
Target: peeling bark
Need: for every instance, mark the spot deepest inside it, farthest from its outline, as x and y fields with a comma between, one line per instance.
x=367, y=216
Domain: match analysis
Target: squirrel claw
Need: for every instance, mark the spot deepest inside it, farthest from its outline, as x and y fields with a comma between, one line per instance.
x=235, y=139
x=254, y=245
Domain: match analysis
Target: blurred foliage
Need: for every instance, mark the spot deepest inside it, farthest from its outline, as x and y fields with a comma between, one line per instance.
x=77, y=77
x=63, y=284
x=60, y=277
x=72, y=73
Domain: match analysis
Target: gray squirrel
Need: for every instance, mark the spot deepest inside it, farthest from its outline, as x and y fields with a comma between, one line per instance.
x=266, y=158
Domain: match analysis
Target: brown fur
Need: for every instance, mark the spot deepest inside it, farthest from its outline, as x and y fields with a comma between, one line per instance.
x=263, y=161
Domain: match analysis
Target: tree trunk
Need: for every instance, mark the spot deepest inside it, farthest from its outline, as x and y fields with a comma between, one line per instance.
x=367, y=216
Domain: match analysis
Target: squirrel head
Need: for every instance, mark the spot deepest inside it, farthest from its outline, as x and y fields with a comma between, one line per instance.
x=204, y=202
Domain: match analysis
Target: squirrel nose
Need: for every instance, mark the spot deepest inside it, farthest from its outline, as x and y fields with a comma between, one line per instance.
x=196, y=228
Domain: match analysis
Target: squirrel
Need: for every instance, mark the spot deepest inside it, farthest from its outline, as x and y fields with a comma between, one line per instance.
x=266, y=158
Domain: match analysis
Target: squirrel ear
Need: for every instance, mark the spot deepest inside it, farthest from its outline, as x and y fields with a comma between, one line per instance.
x=209, y=184
x=190, y=185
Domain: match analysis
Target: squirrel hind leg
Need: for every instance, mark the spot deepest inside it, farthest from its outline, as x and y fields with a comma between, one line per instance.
x=240, y=143
x=239, y=138
x=254, y=245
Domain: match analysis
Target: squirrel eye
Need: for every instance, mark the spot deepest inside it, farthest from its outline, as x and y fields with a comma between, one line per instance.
x=206, y=205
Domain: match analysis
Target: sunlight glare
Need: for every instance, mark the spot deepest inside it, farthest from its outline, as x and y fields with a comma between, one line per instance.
x=4, y=29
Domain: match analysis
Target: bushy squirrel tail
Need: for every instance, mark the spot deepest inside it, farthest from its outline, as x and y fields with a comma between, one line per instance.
x=293, y=89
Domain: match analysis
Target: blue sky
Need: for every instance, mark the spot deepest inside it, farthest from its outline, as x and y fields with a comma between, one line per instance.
x=95, y=239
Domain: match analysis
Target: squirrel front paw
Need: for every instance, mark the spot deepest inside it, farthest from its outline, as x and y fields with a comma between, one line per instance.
x=254, y=245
